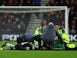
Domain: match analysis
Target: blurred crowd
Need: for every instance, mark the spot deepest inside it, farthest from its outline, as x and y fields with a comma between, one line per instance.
x=18, y=22
x=20, y=2
x=13, y=22
x=71, y=4
x=55, y=16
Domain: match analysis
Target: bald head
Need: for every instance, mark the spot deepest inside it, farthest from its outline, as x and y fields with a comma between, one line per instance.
x=51, y=23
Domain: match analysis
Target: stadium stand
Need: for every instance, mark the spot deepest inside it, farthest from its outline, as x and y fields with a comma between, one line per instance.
x=13, y=22
x=6, y=19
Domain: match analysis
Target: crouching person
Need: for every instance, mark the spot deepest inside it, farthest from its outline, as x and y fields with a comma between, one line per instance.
x=49, y=36
x=66, y=39
x=38, y=33
x=25, y=42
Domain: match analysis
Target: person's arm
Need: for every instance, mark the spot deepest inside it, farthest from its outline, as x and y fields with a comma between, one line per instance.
x=3, y=45
x=44, y=32
x=24, y=43
x=59, y=36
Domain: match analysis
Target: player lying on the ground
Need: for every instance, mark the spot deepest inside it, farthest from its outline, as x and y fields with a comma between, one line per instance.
x=24, y=42
x=27, y=37
x=8, y=46
x=30, y=38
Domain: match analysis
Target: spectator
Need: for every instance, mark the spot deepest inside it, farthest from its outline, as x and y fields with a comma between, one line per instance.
x=68, y=3
x=71, y=13
x=27, y=3
x=4, y=18
x=62, y=3
x=73, y=21
x=73, y=30
x=51, y=3
x=72, y=1
x=22, y=26
x=17, y=19
x=57, y=2
x=21, y=2
x=37, y=2
x=2, y=2
x=23, y=17
x=0, y=18
x=2, y=27
x=8, y=26
x=9, y=3
x=74, y=18
x=16, y=2
x=57, y=19
x=76, y=13
x=75, y=4
x=14, y=29
x=19, y=28
x=12, y=18
x=63, y=23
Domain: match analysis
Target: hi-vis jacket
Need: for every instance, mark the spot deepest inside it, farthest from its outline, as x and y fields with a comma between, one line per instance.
x=66, y=38
x=64, y=34
x=38, y=31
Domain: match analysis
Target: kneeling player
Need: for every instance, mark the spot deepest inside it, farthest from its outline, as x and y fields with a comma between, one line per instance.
x=24, y=41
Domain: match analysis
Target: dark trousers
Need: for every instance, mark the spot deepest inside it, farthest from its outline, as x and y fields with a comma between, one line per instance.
x=38, y=38
x=49, y=45
x=23, y=47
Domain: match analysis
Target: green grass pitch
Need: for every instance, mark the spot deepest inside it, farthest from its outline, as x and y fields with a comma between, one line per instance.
x=37, y=54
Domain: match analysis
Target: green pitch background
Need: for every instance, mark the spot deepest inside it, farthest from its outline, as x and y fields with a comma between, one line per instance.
x=36, y=54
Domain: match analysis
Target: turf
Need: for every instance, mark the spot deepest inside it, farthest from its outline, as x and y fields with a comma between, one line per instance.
x=36, y=54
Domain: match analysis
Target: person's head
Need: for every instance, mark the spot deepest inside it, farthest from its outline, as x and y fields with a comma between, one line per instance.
x=45, y=22
x=57, y=26
x=43, y=26
x=51, y=23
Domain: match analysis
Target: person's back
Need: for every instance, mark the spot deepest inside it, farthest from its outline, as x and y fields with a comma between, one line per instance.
x=49, y=34
x=28, y=36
